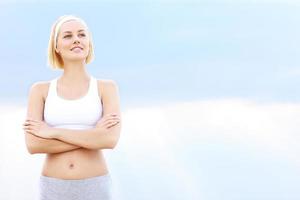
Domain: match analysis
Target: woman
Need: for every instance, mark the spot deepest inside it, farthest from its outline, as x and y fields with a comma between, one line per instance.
x=72, y=118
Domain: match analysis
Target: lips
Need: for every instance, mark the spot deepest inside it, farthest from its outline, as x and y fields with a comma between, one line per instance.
x=76, y=47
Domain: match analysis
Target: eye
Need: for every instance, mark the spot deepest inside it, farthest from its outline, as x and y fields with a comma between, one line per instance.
x=67, y=36
x=82, y=34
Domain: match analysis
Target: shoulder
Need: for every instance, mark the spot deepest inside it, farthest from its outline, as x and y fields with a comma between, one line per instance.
x=107, y=82
x=109, y=95
x=40, y=88
x=108, y=90
x=107, y=85
x=39, y=85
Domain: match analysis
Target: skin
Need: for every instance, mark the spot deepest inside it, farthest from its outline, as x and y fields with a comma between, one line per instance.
x=73, y=154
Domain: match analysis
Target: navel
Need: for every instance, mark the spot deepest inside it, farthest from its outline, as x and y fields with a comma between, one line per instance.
x=71, y=166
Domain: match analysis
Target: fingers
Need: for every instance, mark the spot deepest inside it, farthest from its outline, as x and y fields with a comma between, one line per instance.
x=31, y=119
x=111, y=114
x=111, y=120
x=29, y=129
x=30, y=122
x=27, y=123
x=109, y=117
x=30, y=125
x=110, y=123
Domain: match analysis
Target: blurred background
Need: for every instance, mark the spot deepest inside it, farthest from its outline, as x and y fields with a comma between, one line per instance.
x=209, y=95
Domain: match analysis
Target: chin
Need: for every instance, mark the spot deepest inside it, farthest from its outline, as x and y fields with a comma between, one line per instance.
x=77, y=57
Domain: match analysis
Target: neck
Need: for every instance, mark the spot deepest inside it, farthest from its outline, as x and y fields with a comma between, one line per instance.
x=75, y=72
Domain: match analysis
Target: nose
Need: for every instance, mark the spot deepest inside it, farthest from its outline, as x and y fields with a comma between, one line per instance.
x=76, y=39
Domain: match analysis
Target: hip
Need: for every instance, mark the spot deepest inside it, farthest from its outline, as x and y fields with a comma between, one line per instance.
x=98, y=187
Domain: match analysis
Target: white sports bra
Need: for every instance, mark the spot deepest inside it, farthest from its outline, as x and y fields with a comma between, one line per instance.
x=82, y=113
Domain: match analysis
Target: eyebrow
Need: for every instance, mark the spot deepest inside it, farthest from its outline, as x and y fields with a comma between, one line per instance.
x=71, y=31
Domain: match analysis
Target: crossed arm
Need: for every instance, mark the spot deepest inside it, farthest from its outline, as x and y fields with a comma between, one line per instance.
x=59, y=140
x=37, y=144
x=104, y=136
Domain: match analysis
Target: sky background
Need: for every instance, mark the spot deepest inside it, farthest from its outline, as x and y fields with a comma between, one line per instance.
x=209, y=94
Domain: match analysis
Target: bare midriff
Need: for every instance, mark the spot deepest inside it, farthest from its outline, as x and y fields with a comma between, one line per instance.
x=75, y=164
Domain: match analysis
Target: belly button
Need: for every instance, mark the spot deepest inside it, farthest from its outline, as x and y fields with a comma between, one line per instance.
x=71, y=166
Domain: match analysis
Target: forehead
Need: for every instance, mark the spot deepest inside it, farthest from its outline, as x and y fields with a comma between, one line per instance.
x=73, y=26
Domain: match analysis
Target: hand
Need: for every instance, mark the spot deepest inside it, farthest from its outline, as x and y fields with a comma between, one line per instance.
x=108, y=121
x=38, y=128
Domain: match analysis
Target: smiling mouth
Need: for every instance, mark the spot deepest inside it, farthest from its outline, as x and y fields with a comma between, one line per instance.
x=74, y=48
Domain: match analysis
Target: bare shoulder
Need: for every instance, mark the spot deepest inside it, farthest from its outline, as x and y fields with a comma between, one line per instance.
x=109, y=96
x=40, y=88
x=107, y=85
x=107, y=82
x=36, y=100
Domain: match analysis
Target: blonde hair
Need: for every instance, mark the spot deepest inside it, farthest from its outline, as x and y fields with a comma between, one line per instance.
x=54, y=59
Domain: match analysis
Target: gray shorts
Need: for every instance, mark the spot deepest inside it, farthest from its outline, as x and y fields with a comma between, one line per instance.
x=94, y=188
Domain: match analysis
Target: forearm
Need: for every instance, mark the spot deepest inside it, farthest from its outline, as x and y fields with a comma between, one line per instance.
x=37, y=144
x=94, y=138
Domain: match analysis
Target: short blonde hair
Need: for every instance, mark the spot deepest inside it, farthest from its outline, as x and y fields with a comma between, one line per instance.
x=54, y=59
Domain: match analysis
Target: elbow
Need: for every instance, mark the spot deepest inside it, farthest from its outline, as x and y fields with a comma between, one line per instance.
x=114, y=136
x=31, y=150
x=114, y=139
x=31, y=145
x=113, y=143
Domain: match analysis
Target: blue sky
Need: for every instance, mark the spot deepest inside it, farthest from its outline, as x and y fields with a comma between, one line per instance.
x=161, y=51
x=208, y=92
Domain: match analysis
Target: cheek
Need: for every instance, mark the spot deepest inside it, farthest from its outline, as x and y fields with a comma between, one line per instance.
x=63, y=45
x=86, y=42
x=66, y=44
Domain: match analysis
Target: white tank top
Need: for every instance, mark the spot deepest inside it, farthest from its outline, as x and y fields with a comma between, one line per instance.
x=82, y=113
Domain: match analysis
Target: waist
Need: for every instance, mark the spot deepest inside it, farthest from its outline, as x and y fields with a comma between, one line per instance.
x=75, y=164
x=102, y=177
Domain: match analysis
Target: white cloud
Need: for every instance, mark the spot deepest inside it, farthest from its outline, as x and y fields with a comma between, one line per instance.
x=153, y=137
x=270, y=127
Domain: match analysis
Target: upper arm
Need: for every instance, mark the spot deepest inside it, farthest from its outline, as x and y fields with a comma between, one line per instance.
x=35, y=110
x=35, y=107
x=110, y=97
x=111, y=103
